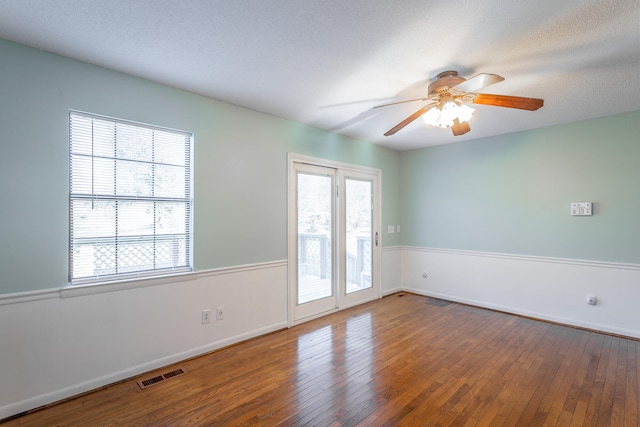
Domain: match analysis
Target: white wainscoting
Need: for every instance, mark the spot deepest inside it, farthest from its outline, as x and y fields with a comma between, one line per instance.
x=391, y=257
x=58, y=343
x=545, y=288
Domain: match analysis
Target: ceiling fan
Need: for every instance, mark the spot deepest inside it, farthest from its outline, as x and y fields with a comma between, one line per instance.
x=448, y=95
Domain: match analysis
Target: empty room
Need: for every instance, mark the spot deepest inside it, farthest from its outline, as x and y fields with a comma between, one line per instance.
x=319, y=213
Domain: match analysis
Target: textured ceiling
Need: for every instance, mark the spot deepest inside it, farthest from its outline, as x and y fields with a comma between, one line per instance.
x=326, y=63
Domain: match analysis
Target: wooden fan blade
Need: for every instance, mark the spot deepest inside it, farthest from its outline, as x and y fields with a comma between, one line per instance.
x=408, y=120
x=459, y=128
x=478, y=82
x=530, y=104
x=401, y=102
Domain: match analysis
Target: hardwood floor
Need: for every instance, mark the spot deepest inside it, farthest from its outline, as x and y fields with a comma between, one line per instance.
x=405, y=360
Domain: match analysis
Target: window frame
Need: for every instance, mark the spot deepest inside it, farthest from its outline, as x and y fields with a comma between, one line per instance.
x=155, y=238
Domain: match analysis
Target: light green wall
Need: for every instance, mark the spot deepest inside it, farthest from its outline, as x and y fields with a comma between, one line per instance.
x=512, y=193
x=240, y=174
x=506, y=194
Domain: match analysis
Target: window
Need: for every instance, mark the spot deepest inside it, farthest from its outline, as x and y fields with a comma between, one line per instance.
x=130, y=199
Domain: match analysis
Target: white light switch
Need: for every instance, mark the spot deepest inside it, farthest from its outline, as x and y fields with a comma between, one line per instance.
x=581, y=209
x=391, y=229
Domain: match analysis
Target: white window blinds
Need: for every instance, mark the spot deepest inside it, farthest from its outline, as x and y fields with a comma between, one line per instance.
x=130, y=199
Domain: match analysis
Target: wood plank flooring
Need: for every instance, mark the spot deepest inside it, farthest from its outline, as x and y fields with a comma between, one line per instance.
x=404, y=360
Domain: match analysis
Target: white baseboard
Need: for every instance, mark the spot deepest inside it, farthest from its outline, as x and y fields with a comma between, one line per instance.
x=388, y=292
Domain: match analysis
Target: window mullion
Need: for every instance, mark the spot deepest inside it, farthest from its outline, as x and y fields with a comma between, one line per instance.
x=116, y=204
x=153, y=193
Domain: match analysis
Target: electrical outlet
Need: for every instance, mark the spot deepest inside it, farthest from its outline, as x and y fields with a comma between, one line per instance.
x=206, y=316
x=219, y=313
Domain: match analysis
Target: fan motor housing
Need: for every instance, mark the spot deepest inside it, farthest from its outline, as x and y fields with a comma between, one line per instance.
x=444, y=81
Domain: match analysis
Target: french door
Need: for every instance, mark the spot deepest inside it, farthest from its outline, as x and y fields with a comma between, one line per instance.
x=334, y=242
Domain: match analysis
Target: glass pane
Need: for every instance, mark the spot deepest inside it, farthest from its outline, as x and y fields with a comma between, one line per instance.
x=169, y=148
x=315, y=277
x=93, y=257
x=93, y=219
x=134, y=179
x=168, y=180
x=91, y=136
x=92, y=176
x=135, y=218
x=358, y=195
x=93, y=242
x=170, y=218
x=134, y=142
x=171, y=252
x=103, y=135
x=135, y=255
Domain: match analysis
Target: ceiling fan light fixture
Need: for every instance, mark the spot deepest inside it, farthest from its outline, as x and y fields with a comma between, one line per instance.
x=444, y=117
x=448, y=114
x=464, y=113
x=432, y=117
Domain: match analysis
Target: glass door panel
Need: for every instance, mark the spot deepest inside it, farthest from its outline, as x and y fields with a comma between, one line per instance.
x=359, y=249
x=315, y=241
x=315, y=237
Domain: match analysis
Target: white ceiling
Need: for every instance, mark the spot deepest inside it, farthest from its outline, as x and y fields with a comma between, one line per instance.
x=326, y=63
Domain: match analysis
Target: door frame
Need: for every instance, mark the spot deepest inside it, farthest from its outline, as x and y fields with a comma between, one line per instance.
x=292, y=256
